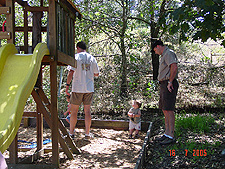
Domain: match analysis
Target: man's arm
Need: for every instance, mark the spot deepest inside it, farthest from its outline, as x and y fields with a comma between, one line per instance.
x=69, y=78
x=173, y=72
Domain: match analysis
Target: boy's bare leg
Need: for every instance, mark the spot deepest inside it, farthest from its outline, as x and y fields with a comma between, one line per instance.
x=73, y=117
x=87, y=112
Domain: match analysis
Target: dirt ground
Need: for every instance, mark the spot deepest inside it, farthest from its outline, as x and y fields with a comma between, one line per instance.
x=108, y=149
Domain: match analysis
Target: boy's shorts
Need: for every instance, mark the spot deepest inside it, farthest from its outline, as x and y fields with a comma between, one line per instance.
x=68, y=117
x=133, y=125
x=78, y=98
x=168, y=99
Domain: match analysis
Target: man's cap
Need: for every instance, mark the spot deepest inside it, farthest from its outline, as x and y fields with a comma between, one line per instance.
x=158, y=42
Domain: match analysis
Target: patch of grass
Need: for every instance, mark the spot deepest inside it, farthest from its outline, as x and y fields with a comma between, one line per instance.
x=195, y=123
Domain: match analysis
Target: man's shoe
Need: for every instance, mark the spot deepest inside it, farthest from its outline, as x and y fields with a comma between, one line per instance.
x=130, y=136
x=161, y=138
x=88, y=136
x=168, y=141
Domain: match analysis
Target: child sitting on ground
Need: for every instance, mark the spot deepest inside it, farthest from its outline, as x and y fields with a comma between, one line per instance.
x=68, y=109
x=135, y=119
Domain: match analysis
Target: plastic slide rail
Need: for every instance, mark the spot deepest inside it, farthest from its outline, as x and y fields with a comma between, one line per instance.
x=18, y=75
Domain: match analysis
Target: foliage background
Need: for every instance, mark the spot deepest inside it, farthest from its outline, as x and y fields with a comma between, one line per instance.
x=120, y=33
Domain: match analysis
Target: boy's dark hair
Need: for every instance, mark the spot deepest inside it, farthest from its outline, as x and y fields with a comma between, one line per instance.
x=82, y=45
x=158, y=42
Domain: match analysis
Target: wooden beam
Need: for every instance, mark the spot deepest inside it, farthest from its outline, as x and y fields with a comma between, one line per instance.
x=30, y=114
x=70, y=5
x=4, y=10
x=36, y=32
x=46, y=150
x=53, y=82
x=2, y=2
x=29, y=28
x=5, y=35
x=36, y=9
x=22, y=3
x=54, y=112
x=33, y=157
x=111, y=124
x=11, y=21
x=66, y=59
x=68, y=139
x=39, y=122
x=48, y=119
x=25, y=122
x=13, y=151
x=25, y=20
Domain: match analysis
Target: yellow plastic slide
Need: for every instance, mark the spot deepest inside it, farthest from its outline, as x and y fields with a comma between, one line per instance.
x=18, y=75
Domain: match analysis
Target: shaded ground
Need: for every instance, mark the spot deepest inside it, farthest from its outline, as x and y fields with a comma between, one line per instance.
x=108, y=149
x=192, y=149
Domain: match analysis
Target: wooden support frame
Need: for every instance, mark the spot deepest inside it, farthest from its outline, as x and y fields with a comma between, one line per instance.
x=71, y=144
x=57, y=58
x=11, y=21
x=5, y=35
x=5, y=10
x=49, y=120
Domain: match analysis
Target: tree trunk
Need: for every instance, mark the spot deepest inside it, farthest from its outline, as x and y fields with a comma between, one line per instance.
x=123, y=89
x=155, y=57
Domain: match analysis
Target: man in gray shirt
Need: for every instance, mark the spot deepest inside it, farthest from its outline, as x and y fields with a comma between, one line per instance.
x=168, y=73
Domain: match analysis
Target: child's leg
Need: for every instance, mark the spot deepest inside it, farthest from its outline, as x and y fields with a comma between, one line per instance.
x=131, y=131
x=136, y=132
x=138, y=128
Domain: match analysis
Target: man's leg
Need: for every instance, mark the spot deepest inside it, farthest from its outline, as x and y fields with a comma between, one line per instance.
x=87, y=111
x=169, y=122
x=73, y=117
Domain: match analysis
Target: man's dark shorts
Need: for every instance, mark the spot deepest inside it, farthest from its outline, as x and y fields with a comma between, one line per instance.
x=78, y=98
x=168, y=99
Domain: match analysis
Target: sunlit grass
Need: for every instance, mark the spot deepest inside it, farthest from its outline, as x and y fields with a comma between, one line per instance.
x=195, y=123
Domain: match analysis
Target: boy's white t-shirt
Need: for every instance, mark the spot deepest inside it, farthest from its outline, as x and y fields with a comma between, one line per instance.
x=83, y=77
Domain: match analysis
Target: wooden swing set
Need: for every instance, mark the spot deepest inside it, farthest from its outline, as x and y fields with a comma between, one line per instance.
x=62, y=15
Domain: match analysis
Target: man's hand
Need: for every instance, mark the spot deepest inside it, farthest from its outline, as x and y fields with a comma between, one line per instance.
x=170, y=87
x=67, y=88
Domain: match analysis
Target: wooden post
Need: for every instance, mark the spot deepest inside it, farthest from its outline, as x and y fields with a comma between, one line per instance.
x=10, y=18
x=39, y=130
x=36, y=32
x=13, y=151
x=73, y=39
x=11, y=21
x=25, y=32
x=53, y=80
x=39, y=117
